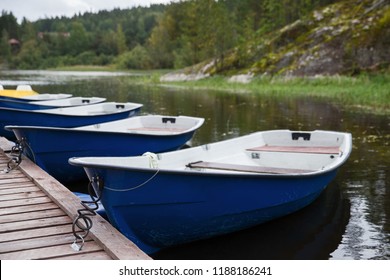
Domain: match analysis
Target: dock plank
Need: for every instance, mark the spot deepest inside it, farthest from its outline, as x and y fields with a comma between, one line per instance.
x=38, y=223
x=86, y=256
x=14, y=180
x=28, y=201
x=111, y=240
x=50, y=252
x=31, y=216
x=39, y=242
x=22, y=195
x=32, y=188
x=14, y=174
x=33, y=233
x=36, y=215
x=19, y=185
x=28, y=208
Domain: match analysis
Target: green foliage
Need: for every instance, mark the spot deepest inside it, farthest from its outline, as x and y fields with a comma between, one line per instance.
x=30, y=55
x=120, y=40
x=137, y=58
x=5, y=48
x=88, y=38
x=8, y=22
x=245, y=34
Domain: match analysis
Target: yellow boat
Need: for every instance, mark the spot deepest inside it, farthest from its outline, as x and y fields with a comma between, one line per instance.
x=19, y=92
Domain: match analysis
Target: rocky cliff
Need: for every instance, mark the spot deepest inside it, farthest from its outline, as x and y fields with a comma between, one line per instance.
x=345, y=38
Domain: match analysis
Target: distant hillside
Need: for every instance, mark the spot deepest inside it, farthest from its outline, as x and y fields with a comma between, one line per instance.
x=348, y=37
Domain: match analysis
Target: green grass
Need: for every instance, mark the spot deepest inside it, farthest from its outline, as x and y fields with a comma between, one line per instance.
x=84, y=68
x=370, y=93
x=365, y=92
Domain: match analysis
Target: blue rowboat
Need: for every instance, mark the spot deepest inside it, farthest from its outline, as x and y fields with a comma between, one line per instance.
x=171, y=198
x=50, y=104
x=66, y=117
x=127, y=137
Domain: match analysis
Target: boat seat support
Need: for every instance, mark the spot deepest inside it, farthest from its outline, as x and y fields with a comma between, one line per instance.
x=297, y=149
x=244, y=168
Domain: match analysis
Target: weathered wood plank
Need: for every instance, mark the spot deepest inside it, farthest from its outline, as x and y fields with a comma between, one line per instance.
x=14, y=180
x=29, y=201
x=109, y=238
x=38, y=223
x=39, y=242
x=19, y=185
x=50, y=252
x=5, y=144
x=23, y=195
x=10, y=175
x=31, y=216
x=28, y=208
x=40, y=227
x=86, y=256
x=37, y=232
x=32, y=188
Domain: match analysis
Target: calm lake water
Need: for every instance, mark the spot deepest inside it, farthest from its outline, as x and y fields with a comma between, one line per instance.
x=350, y=220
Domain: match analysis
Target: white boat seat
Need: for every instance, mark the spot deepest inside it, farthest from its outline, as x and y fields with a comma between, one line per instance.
x=24, y=88
x=1, y=87
x=244, y=168
x=298, y=149
x=170, y=129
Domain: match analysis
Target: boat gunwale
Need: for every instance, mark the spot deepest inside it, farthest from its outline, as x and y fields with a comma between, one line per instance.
x=53, y=111
x=129, y=132
x=345, y=153
x=190, y=172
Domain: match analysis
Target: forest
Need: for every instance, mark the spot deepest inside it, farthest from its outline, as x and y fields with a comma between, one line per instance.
x=171, y=36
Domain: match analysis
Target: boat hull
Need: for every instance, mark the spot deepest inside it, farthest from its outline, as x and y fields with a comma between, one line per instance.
x=51, y=153
x=40, y=118
x=196, y=193
x=161, y=209
x=49, y=104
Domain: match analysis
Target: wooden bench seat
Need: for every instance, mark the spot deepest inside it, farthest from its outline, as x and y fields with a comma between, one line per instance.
x=297, y=149
x=245, y=168
x=167, y=129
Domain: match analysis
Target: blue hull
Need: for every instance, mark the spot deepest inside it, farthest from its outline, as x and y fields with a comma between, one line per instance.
x=40, y=118
x=51, y=152
x=179, y=207
x=26, y=105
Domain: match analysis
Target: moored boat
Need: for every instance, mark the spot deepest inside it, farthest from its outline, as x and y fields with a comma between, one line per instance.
x=26, y=93
x=19, y=92
x=171, y=198
x=66, y=117
x=50, y=104
x=126, y=137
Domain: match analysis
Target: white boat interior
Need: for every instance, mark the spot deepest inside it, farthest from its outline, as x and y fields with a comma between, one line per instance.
x=277, y=152
x=70, y=102
x=45, y=96
x=95, y=109
x=149, y=125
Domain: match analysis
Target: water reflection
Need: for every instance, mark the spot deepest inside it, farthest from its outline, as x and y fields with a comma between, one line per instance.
x=351, y=220
x=312, y=233
x=363, y=239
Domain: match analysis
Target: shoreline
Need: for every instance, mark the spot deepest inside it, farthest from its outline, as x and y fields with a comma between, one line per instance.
x=367, y=92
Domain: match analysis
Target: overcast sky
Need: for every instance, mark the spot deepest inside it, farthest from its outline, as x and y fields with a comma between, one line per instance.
x=35, y=9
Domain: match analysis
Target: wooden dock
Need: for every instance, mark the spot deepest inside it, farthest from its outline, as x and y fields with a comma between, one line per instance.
x=36, y=215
